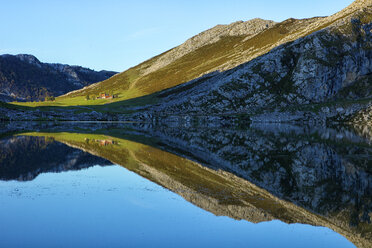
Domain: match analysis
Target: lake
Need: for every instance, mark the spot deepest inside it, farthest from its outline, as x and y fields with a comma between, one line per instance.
x=144, y=185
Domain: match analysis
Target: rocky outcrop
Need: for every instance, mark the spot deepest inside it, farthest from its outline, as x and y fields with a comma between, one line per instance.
x=23, y=77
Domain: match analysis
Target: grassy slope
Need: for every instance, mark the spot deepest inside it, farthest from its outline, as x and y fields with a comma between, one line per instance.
x=132, y=83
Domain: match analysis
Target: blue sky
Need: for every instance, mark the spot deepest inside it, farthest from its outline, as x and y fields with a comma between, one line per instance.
x=115, y=35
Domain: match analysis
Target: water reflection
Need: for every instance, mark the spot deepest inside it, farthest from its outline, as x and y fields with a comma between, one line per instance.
x=23, y=158
x=318, y=176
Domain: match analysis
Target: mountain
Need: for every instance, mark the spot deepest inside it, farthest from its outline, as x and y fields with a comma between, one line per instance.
x=329, y=66
x=316, y=69
x=24, y=77
x=325, y=74
x=218, y=49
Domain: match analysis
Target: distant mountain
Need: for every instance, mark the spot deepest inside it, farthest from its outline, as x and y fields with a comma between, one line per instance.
x=23, y=77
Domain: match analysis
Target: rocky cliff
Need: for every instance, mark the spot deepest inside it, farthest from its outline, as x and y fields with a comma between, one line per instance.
x=23, y=77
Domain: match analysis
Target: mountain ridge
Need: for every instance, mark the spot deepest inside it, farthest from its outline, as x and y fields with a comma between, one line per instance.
x=24, y=77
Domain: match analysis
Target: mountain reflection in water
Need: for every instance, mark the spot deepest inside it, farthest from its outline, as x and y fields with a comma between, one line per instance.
x=317, y=176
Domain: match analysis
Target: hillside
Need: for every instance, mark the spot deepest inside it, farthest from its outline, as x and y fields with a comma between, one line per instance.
x=23, y=77
x=218, y=49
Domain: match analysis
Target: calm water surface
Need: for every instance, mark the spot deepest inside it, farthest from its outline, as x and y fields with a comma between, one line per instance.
x=165, y=187
x=112, y=207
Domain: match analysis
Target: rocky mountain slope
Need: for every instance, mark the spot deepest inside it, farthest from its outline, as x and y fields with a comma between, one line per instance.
x=24, y=77
x=220, y=48
x=329, y=66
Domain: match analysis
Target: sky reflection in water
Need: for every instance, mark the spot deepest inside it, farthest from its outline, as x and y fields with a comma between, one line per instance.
x=112, y=207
